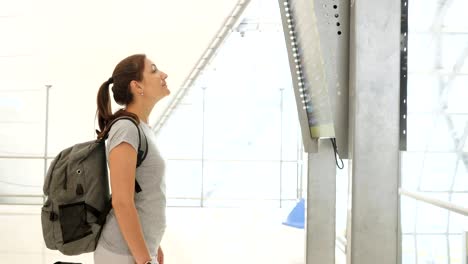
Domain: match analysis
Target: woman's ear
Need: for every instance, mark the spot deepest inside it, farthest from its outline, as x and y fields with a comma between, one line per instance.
x=135, y=87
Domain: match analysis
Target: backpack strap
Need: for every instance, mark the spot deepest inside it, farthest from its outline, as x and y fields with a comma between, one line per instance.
x=142, y=144
x=141, y=155
x=142, y=141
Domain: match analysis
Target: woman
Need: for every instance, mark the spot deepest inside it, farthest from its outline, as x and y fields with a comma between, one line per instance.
x=136, y=223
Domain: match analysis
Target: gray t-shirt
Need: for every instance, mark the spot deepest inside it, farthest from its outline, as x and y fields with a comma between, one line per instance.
x=150, y=202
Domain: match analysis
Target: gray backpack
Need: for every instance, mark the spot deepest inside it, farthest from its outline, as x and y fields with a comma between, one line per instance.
x=77, y=195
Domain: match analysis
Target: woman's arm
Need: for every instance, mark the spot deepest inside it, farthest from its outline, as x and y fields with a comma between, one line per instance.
x=160, y=255
x=122, y=164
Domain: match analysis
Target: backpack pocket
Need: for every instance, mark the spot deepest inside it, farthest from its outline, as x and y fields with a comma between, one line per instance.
x=73, y=222
x=48, y=217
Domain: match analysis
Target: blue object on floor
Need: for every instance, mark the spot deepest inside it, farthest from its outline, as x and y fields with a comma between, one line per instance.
x=296, y=217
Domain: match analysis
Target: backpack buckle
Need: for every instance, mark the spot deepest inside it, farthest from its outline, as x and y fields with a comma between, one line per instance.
x=79, y=189
x=53, y=217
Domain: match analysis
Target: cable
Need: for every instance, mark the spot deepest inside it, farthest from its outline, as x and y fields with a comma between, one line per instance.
x=335, y=148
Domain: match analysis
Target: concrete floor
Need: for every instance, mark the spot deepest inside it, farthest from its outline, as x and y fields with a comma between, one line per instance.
x=194, y=235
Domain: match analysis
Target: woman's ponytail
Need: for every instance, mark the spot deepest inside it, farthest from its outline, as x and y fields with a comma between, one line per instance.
x=104, y=110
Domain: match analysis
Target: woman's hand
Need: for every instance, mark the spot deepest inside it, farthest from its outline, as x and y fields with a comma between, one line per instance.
x=160, y=255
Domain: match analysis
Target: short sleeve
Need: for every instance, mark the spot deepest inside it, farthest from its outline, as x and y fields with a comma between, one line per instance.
x=123, y=131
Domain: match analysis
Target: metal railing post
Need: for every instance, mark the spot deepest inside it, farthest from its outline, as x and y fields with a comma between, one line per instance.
x=464, y=259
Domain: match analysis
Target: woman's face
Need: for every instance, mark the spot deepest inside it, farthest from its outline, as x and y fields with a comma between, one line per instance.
x=154, y=81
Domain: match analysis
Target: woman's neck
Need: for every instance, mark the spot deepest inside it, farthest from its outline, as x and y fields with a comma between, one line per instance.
x=141, y=113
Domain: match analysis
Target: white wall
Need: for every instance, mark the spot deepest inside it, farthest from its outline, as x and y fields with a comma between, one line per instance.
x=74, y=45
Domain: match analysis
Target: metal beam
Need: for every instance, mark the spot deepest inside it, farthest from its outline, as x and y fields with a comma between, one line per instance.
x=222, y=33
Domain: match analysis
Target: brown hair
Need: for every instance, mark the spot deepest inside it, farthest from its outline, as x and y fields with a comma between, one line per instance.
x=129, y=69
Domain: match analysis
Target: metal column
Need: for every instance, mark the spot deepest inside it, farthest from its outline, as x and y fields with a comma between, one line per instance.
x=321, y=205
x=374, y=138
